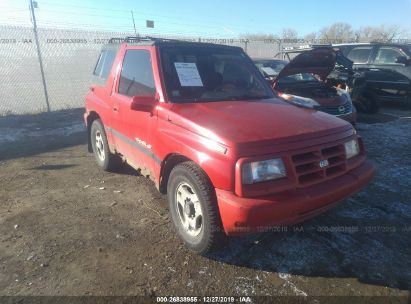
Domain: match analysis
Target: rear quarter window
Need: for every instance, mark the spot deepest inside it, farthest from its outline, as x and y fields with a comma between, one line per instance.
x=104, y=64
x=388, y=55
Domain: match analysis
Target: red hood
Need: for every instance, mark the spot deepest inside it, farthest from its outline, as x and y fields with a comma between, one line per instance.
x=319, y=61
x=263, y=121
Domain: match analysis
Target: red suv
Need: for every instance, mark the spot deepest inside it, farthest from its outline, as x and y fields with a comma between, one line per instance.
x=202, y=122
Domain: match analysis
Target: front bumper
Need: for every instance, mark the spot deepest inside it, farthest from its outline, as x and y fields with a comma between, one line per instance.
x=241, y=215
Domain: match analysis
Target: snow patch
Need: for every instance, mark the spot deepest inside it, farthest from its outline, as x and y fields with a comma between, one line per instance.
x=287, y=278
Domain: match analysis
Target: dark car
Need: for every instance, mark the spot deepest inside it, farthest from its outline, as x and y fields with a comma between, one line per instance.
x=270, y=68
x=303, y=81
x=386, y=68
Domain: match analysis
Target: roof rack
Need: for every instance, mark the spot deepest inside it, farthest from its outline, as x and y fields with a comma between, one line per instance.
x=138, y=39
x=304, y=47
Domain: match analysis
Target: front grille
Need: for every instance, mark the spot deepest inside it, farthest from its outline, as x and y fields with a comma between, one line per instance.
x=307, y=167
x=336, y=110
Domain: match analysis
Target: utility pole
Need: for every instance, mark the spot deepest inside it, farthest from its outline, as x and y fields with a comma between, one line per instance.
x=134, y=24
x=36, y=39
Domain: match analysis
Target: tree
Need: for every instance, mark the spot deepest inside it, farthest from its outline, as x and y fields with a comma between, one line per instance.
x=337, y=32
x=289, y=34
x=311, y=37
x=382, y=33
x=259, y=36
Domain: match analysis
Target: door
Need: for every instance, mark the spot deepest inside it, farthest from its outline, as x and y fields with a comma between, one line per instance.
x=389, y=75
x=131, y=129
x=361, y=56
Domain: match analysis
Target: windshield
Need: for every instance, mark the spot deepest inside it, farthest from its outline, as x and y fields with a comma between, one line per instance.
x=204, y=73
x=270, y=67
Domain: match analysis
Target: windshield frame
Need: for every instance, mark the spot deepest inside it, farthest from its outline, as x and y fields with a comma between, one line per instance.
x=270, y=93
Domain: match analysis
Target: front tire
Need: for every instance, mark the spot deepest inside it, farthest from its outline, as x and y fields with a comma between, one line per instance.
x=104, y=158
x=193, y=207
x=368, y=103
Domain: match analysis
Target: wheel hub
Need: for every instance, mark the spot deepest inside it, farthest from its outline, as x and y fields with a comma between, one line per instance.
x=188, y=209
x=100, y=146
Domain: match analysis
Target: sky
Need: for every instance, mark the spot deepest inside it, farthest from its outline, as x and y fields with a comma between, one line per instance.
x=212, y=18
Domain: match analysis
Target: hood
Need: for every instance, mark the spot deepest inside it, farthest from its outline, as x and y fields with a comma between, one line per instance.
x=263, y=121
x=319, y=61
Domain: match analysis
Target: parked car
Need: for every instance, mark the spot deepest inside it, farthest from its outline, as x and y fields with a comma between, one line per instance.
x=304, y=81
x=233, y=158
x=386, y=68
x=270, y=68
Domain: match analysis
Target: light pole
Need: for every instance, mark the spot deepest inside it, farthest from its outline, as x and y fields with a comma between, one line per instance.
x=33, y=5
x=134, y=24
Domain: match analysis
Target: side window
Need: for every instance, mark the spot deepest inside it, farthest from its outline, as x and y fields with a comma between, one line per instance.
x=387, y=55
x=360, y=54
x=136, y=78
x=104, y=64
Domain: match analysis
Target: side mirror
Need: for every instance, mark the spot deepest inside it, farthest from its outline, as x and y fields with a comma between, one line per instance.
x=143, y=103
x=402, y=60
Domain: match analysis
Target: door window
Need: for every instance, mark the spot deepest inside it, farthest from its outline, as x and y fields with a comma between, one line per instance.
x=360, y=54
x=136, y=78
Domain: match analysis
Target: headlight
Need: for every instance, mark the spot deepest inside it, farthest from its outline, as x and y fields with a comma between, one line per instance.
x=300, y=101
x=263, y=171
x=352, y=148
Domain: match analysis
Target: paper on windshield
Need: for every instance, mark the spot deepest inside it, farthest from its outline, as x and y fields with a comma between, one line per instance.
x=188, y=74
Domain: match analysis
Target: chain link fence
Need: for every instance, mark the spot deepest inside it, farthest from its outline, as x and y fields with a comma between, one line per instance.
x=68, y=58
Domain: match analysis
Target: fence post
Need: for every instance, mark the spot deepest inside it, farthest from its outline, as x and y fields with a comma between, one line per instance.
x=280, y=50
x=245, y=45
x=36, y=39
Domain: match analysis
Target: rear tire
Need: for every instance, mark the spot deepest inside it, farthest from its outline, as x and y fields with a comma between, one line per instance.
x=193, y=207
x=104, y=158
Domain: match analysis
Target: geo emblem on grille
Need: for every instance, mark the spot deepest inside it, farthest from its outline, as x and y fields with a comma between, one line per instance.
x=324, y=163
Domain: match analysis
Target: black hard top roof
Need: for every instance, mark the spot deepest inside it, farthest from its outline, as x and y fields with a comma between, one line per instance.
x=150, y=41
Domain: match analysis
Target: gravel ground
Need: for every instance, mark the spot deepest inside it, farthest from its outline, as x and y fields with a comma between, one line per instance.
x=67, y=228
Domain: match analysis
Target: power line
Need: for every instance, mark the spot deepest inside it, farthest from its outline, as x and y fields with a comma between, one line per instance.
x=126, y=25
x=13, y=10
x=87, y=7
x=154, y=14
x=124, y=18
x=214, y=25
x=47, y=24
